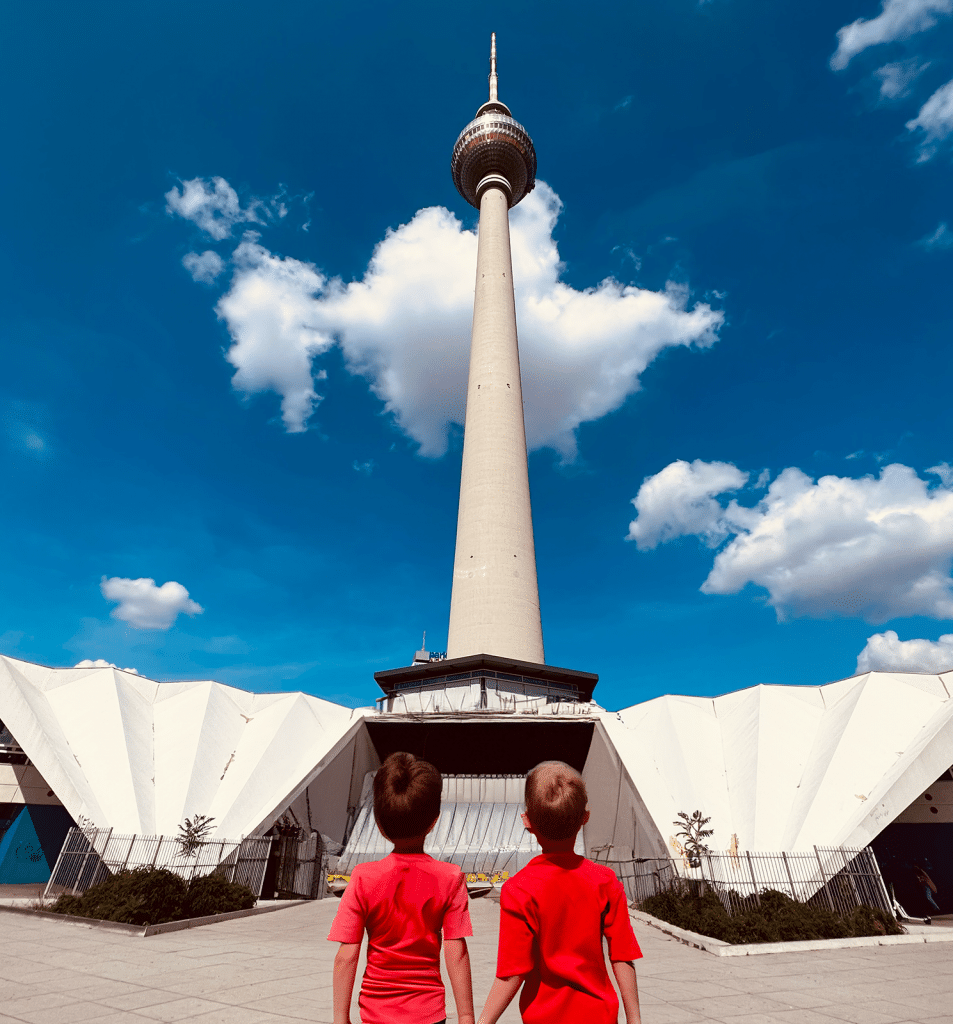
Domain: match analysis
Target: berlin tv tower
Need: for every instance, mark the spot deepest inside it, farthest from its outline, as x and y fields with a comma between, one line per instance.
x=494, y=605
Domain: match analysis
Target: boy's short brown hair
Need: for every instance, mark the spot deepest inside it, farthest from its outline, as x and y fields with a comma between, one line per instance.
x=555, y=800
x=406, y=796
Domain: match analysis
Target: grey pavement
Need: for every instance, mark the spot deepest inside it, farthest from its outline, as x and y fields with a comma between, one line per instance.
x=277, y=967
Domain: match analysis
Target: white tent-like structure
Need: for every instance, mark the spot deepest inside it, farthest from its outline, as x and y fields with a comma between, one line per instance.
x=775, y=767
x=790, y=767
x=124, y=752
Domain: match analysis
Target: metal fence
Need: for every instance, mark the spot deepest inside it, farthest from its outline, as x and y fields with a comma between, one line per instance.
x=89, y=856
x=301, y=870
x=835, y=878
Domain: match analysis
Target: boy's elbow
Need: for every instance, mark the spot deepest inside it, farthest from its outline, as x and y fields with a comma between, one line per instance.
x=455, y=949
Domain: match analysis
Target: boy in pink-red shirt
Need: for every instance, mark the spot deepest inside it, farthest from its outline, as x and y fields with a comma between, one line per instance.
x=404, y=902
x=554, y=914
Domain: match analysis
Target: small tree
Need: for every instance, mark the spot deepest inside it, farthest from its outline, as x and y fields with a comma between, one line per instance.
x=193, y=833
x=692, y=831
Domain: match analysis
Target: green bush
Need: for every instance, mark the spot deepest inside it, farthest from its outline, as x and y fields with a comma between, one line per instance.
x=155, y=896
x=773, y=917
x=213, y=894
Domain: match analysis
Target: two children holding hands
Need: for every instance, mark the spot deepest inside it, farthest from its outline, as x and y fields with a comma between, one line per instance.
x=553, y=916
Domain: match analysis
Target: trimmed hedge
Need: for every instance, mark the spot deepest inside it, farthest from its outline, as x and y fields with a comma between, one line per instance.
x=777, y=918
x=155, y=896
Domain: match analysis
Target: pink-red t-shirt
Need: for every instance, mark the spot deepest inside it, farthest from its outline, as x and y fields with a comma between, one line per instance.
x=403, y=902
x=553, y=915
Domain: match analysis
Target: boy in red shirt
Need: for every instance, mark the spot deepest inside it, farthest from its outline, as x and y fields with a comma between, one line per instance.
x=554, y=914
x=404, y=902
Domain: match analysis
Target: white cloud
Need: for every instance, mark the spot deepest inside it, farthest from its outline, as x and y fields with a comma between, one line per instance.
x=896, y=78
x=102, y=663
x=876, y=548
x=679, y=502
x=944, y=471
x=204, y=267
x=942, y=238
x=272, y=315
x=144, y=605
x=886, y=652
x=898, y=19
x=935, y=120
x=405, y=327
x=212, y=205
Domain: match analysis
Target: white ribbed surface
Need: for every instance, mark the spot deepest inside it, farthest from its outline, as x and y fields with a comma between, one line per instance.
x=140, y=756
x=494, y=606
x=788, y=767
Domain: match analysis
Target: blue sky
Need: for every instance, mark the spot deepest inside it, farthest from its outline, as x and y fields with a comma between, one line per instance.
x=234, y=336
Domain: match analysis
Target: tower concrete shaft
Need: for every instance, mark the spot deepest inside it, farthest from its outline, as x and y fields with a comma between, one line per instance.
x=494, y=606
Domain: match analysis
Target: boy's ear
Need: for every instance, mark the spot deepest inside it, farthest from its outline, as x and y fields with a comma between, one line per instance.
x=433, y=825
x=382, y=832
x=585, y=817
x=527, y=823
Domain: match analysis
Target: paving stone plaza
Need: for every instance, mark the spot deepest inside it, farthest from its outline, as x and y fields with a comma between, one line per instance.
x=277, y=967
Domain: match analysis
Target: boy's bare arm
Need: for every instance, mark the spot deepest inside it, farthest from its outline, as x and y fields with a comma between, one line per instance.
x=345, y=970
x=457, y=958
x=501, y=995
x=624, y=971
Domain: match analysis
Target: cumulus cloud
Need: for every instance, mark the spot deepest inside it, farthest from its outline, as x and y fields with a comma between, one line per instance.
x=875, y=548
x=896, y=78
x=203, y=266
x=102, y=663
x=144, y=605
x=886, y=652
x=680, y=501
x=405, y=326
x=211, y=204
x=935, y=121
x=898, y=19
x=272, y=313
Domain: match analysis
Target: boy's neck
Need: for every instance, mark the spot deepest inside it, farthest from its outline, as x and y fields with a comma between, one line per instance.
x=414, y=845
x=557, y=845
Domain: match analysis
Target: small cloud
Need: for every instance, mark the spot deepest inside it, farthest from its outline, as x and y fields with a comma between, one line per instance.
x=944, y=471
x=764, y=478
x=102, y=663
x=898, y=19
x=624, y=103
x=25, y=424
x=855, y=455
x=935, y=121
x=886, y=652
x=212, y=205
x=364, y=467
x=942, y=238
x=896, y=78
x=204, y=267
x=144, y=605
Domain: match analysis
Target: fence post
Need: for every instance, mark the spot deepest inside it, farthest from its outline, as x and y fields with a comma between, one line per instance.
x=132, y=843
x=830, y=895
x=155, y=856
x=787, y=869
x=754, y=884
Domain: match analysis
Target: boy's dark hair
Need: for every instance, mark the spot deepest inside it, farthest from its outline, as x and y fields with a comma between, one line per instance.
x=555, y=800
x=406, y=796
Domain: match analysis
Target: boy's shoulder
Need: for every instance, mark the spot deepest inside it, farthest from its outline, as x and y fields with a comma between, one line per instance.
x=548, y=864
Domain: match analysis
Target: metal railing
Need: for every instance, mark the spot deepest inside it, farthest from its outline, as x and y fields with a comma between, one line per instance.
x=89, y=856
x=835, y=878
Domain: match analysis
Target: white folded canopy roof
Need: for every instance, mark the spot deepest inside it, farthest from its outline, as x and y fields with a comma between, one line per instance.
x=139, y=756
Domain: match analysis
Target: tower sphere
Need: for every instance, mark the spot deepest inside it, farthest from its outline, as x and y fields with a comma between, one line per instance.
x=494, y=149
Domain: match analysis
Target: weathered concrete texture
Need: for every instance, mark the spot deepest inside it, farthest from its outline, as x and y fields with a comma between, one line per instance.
x=494, y=604
x=277, y=967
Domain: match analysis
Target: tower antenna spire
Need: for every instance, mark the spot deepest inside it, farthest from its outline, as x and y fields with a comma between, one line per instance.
x=494, y=95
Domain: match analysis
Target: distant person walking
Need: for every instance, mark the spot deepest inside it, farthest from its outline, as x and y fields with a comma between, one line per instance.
x=928, y=885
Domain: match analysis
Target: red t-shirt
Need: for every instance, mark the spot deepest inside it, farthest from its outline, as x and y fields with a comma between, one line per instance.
x=403, y=902
x=553, y=915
